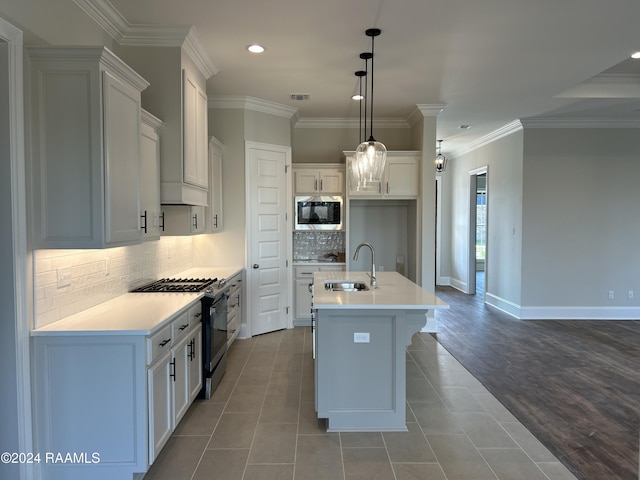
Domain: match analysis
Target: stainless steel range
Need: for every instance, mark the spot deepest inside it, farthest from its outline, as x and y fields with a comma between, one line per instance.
x=214, y=322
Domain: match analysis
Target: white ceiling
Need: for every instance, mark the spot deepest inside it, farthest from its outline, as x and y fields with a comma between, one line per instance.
x=490, y=62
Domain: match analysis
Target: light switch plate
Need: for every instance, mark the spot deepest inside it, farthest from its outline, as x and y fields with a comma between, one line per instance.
x=63, y=276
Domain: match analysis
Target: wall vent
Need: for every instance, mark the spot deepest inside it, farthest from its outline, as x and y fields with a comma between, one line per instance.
x=300, y=96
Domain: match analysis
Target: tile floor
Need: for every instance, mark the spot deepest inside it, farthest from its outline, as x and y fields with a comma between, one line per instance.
x=261, y=425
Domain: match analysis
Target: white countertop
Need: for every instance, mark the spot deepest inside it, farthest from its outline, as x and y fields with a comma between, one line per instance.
x=393, y=291
x=134, y=313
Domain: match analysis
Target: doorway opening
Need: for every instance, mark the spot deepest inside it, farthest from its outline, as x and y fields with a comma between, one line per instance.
x=478, y=223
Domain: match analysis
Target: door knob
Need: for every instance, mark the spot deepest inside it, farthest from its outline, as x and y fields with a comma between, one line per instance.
x=255, y=266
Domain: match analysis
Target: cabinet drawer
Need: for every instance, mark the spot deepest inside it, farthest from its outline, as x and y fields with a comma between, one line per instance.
x=195, y=314
x=332, y=268
x=304, y=272
x=180, y=326
x=158, y=343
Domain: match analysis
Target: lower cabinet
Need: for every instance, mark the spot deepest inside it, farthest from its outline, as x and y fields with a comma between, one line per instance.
x=234, y=308
x=173, y=380
x=303, y=279
x=112, y=400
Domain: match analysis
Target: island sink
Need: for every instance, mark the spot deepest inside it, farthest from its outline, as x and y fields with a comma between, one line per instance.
x=345, y=286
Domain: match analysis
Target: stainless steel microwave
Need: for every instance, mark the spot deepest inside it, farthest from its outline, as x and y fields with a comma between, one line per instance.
x=319, y=212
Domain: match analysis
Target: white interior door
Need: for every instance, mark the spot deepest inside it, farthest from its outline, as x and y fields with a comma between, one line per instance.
x=267, y=237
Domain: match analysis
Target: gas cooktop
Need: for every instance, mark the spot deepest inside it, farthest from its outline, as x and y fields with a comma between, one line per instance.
x=178, y=285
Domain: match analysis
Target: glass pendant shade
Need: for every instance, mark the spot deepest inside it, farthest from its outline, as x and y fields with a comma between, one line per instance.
x=369, y=162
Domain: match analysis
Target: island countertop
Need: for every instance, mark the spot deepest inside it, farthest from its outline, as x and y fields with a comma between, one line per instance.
x=393, y=291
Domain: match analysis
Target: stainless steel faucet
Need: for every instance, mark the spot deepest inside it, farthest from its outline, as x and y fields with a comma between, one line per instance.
x=373, y=261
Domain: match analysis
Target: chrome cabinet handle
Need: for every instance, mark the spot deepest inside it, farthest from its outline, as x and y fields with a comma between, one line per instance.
x=162, y=224
x=195, y=221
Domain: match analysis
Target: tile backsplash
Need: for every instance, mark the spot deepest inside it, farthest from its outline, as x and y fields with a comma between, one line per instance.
x=315, y=246
x=69, y=281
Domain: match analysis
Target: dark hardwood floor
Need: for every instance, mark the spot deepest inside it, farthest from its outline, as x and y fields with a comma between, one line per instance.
x=575, y=384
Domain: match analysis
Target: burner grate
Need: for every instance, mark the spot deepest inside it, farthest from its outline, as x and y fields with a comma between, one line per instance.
x=177, y=285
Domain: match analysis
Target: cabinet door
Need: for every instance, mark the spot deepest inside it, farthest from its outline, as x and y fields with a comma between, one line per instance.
x=401, y=178
x=331, y=181
x=121, y=104
x=305, y=181
x=149, y=180
x=194, y=137
x=303, y=298
x=215, y=186
x=180, y=378
x=195, y=362
x=160, y=412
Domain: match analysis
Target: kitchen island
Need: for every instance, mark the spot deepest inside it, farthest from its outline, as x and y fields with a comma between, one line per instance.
x=361, y=338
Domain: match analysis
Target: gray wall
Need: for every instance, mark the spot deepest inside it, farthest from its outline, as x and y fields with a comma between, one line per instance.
x=581, y=231
x=325, y=145
x=503, y=157
x=562, y=205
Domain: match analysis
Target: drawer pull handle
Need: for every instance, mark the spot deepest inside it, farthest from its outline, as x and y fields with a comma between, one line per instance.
x=183, y=326
x=164, y=342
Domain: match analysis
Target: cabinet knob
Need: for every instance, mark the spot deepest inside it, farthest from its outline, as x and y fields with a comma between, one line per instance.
x=255, y=266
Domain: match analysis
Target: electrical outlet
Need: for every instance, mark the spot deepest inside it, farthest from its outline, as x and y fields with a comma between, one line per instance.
x=381, y=268
x=610, y=294
x=63, y=276
x=630, y=294
x=361, y=337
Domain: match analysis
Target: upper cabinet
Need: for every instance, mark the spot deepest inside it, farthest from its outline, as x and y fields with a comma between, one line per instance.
x=194, y=128
x=399, y=179
x=318, y=179
x=84, y=166
x=177, y=95
x=151, y=216
x=215, y=185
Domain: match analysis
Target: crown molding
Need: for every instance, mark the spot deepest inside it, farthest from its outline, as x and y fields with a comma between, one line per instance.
x=424, y=110
x=111, y=21
x=251, y=103
x=105, y=15
x=501, y=132
x=340, y=122
x=569, y=122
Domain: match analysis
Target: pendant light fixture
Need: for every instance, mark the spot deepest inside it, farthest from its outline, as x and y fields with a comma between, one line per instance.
x=370, y=155
x=441, y=160
x=353, y=168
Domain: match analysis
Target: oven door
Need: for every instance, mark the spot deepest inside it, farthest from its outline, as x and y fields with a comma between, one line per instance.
x=218, y=330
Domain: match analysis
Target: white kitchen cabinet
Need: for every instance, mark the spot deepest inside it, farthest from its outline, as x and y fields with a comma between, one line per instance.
x=113, y=393
x=195, y=361
x=183, y=219
x=150, y=211
x=194, y=131
x=215, y=212
x=318, y=179
x=399, y=179
x=177, y=95
x=159, y=408
x=234, y=308
x=85, y=163
x=303, y=278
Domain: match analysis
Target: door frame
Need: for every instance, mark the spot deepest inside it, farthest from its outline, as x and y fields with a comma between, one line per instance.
x=471, y=251
x=19, y=276
x=246, y=328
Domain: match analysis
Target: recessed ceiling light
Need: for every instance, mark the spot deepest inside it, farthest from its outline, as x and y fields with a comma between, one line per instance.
x=255, y=48
x=635, y=55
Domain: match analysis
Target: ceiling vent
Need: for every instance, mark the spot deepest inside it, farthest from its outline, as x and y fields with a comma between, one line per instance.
x=300, y=96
